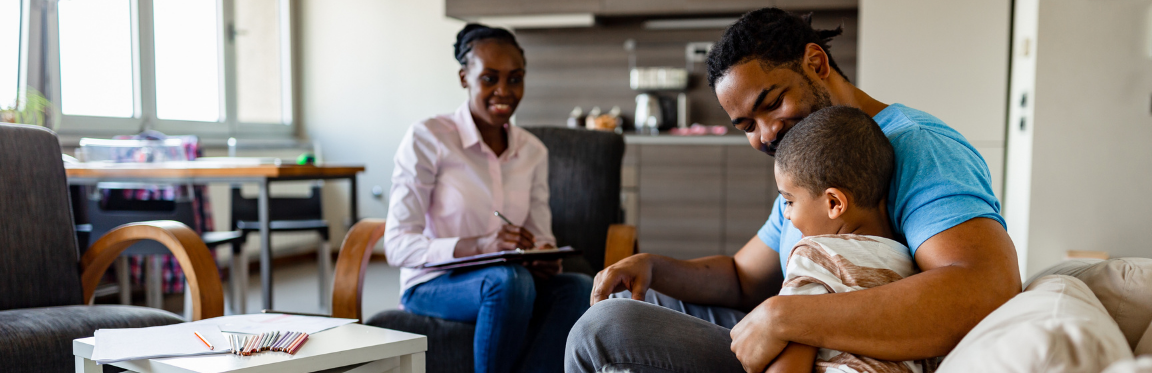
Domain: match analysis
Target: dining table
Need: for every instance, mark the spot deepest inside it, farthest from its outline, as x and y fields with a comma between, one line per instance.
x=236, y=171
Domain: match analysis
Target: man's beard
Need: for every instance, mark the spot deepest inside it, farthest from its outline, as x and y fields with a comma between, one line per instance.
x=819, y=94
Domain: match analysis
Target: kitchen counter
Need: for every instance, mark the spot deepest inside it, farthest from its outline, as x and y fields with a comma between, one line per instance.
x=664, y=139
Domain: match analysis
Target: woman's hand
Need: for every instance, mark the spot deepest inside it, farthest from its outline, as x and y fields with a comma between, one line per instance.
x=544, y=269
x=522, y=237
x=509, y=237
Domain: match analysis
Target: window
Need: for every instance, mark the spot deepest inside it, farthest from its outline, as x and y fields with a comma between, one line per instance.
x=10, y=55
x=261, y=67
x=187, y=60
x=214, y=68
x=89, y=85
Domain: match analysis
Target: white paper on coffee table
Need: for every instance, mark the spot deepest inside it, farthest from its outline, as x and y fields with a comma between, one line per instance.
x=273, y=322
x=114, y=345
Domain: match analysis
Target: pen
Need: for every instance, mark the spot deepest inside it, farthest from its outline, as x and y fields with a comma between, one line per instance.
x=204, y=340
x=501, y=216
x=506, y=221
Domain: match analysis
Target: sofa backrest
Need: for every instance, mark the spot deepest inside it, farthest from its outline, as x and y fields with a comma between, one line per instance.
x=1123, y=285
x=584, y=185
x=38, y=257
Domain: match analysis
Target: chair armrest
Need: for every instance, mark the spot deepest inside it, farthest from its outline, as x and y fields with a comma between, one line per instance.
x=351, y=264
x=197, y=262
x=621, y=243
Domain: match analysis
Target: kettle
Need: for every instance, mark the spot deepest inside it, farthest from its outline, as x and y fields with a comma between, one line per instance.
x=648, y=114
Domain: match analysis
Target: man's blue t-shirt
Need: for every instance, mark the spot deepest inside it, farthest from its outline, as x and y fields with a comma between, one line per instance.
x=939, y=182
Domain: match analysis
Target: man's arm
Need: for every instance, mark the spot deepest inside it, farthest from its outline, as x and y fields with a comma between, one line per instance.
x=969, y=271
x=743, y=281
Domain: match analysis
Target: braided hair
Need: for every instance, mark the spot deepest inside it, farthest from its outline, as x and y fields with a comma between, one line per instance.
x=773, y=36
x=474, y=32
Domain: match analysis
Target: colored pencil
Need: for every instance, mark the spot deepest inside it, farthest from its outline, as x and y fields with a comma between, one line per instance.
x=296, y=347
x=204, y=340
x=294, y=341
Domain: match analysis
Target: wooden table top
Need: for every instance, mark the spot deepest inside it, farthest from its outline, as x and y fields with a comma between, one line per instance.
x=208, y=169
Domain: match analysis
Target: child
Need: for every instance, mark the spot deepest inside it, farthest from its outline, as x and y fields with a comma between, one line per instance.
x=833, y=170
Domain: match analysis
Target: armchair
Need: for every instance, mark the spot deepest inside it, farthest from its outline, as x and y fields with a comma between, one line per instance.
x=584, y=183
x=45, y=287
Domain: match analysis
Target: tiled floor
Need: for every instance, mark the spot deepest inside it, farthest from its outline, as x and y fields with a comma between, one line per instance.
x=296, y=288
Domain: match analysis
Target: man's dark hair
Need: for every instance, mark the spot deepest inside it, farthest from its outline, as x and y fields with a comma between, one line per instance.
x=474, y=32
x=839, y=147
x=773, y=36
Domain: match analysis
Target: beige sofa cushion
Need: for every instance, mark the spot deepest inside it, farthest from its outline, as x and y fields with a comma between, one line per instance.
x=1056, y=325
x=1142, y=364
x=1123, y=285
x=1145, y=346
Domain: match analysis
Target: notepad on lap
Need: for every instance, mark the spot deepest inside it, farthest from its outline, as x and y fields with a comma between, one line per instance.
x=114, y=345
x=503, y=257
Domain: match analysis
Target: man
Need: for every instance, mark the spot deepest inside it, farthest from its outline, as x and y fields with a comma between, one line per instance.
x=770, y=70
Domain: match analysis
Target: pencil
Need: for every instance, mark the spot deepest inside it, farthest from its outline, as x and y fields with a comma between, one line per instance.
x=272, y=341
x=284, y=341
x=251, y=340
x=296, y=346
x=299, y=339
x=204, y=340
x=279, y=339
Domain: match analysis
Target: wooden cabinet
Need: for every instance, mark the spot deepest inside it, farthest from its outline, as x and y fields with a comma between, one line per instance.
x=681, y=190
x=487, y=8
x=749, y=191
x=691, y=201
x=680, y=7
x=470, y=9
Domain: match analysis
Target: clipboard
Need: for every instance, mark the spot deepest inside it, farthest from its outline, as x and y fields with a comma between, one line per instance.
x=518, y=255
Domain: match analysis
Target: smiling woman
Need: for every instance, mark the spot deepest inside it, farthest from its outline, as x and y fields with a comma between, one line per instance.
x=451, y=172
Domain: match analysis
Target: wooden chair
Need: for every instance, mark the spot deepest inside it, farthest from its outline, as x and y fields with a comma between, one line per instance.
x=46, y=288
x=584, y=183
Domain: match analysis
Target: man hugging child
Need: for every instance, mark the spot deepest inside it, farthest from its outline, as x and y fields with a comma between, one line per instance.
x=833, y=170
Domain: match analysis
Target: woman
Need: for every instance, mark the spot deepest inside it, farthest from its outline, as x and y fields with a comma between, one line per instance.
x=452, y=172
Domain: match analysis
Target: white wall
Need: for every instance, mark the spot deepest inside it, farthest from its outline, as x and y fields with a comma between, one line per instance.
x=368, y=70
x=947, y=58
x=1090, y=153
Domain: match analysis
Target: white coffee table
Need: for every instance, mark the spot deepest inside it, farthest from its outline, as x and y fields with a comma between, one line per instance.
x=354, y=348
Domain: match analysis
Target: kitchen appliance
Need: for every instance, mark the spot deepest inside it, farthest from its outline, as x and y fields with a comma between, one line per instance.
x=655, y=113
x=648, y=115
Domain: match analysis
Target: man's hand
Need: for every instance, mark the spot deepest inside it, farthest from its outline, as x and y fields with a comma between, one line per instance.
x=634, y=273
x=753, y=341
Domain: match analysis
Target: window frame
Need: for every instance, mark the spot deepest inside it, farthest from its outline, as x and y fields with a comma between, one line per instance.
x=144, y=81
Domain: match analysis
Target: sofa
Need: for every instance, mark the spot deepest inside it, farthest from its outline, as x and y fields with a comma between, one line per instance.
x=1082, y=315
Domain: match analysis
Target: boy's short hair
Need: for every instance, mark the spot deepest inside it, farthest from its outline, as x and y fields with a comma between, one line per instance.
x=839, y=147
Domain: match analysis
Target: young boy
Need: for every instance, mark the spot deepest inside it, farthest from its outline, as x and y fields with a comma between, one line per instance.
x=833, y=170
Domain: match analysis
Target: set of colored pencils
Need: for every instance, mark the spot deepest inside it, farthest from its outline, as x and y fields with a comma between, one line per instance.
x=289, y=342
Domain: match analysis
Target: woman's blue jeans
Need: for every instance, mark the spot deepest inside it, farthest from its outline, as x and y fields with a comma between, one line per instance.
x=522, y=322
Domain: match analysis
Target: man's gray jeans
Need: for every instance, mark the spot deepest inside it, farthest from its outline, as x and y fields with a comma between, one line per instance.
x=661, y=334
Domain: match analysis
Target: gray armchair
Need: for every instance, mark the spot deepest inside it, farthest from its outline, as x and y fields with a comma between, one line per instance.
x=44, y=284
x=584, y=183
